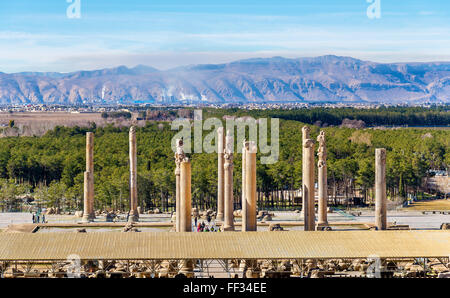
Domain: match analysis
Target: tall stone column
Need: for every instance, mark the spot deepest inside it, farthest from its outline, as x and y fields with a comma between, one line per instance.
x=308, y=183
x=305, y=135
x=134, y=214
x=228, y=184
x=185, y=196
x=250, y=188
x=89, y=214
x=322, y=177
x=380, y=189
x=179, y=157
x=243, y=198
x=220, y=174
x=187, y=266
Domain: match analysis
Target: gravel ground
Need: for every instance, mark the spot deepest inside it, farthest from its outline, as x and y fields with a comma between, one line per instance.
x=415, y=219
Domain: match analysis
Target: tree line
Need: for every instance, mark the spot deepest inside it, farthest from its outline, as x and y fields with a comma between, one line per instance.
x=381, y=116
x=49, y=169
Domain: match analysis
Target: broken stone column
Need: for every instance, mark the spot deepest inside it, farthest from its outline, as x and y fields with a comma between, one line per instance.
x=250, y=188
x=88, y=214
x=228, y=184
x=380, y=189
x=185, y=196
x=322, y=177
x=220, y=174
x=134, y=214
x=305, y=135
x=243, y=199
x=308, y=182
x=179, y=157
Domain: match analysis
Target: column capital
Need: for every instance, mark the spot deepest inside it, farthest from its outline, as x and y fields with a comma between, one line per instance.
x=322, y=151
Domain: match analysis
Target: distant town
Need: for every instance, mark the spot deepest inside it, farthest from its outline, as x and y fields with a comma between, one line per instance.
x=243, y=106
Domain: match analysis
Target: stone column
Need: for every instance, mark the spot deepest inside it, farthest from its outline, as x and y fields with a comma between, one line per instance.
x=308, y=183
x=185, y=210
x=179, y=157
x=322, y=177
x=305, y=135
x=228, y=184
x=380, y=189
x=89, y=214
x=243, y=198
x=185, y=196
x=250, y=188
x=134, y=214
x=220, y=174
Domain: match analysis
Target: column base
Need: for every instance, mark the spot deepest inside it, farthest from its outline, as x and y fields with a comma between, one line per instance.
x=228, y=228
x=133, y=218
x=87, y=219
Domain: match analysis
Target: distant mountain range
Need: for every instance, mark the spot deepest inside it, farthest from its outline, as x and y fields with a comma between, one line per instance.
x=277, y=79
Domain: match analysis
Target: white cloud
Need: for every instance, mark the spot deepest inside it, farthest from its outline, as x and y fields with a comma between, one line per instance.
x=225, y=40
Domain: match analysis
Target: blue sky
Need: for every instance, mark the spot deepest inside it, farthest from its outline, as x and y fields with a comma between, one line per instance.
x=37, y=35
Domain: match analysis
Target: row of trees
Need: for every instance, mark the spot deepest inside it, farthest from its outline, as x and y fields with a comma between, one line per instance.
x=50, y=168
x=387, y=116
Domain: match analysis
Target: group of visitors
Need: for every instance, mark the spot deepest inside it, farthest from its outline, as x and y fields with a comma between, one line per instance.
x=202, y=227
x=38, y=217
x=205, y=227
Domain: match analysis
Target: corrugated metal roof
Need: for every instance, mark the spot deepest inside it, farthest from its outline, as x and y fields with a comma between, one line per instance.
x=249, y=245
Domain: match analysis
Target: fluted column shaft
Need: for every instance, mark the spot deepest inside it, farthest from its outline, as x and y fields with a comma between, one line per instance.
x=243, y=197
x=187, y=266
x=322, y=177
x=380, y=189
x=250, y=188
x=220, y=174
x=179, y=157
x=134, y=214
x=308, y=184
x=185, y=196
x=88, y=213
x=177, y=197
x=305, y=135
x=228, y=185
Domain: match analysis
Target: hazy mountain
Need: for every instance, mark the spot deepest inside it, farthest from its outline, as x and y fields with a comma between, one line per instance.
x=325, y=78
